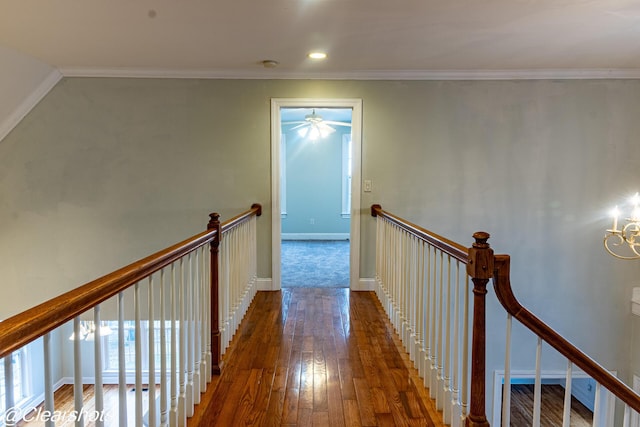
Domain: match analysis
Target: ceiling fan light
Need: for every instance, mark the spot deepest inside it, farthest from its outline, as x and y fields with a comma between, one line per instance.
x=303, y=131
x=314, y=133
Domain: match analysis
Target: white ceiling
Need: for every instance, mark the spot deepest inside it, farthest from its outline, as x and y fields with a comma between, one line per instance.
x=363, y=38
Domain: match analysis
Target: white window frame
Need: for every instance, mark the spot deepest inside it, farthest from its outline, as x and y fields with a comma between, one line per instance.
x=346, y=175
x=283, y=176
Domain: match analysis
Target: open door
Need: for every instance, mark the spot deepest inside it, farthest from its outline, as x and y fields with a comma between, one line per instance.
x=276, y=189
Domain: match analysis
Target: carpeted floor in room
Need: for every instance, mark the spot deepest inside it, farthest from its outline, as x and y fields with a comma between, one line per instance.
x=315, y=263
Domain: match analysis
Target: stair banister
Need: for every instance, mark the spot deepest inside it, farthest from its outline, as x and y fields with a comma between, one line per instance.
x=504, y=293
x=482, y=265
x=480, y=269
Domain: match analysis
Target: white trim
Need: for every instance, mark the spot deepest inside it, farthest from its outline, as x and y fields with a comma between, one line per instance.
x=264, y=284
x=315, y=236
x=366, y=284
x=261, y=73
x=29, y=103
x=356, y=138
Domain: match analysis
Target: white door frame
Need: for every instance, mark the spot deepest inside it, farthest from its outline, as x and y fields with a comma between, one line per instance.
x=356, y=144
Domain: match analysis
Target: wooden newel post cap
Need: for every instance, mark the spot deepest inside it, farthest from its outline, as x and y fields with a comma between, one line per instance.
x=480, y=265
x=257, y=206
x=214, y=220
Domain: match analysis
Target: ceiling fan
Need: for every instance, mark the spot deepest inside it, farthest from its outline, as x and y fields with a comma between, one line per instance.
x=314, y=126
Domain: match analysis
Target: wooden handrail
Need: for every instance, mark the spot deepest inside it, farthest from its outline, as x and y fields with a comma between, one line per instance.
x=482, y=264
x=449, y=247
x=23, y=328
x=502, y=286
x=479, y=262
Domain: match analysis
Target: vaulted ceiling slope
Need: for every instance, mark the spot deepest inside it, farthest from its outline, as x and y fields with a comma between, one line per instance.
x=363, y=38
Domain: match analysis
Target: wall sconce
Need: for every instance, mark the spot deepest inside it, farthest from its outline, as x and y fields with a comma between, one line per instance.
x=619, y=241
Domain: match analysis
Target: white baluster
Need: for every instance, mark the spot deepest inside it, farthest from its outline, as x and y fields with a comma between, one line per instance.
x=163, y=353
x=122, y=371
x=537, y=388
x=440, y=342
x=189, y=324
x=98, y=392
x=430, y=380
x=8, y=385
x=182, y=369
x=626, y=420
x=207, y=309
x=566, y=414
x=77, y=373
x=506, y=388
x=455, y=378
x=174, y=383
x=422, y=310
x=152, y=355
x=597, y=407
x=196, y=302
x=205, y=366
x=138, y=362
x=446, y=362
x=49, y=403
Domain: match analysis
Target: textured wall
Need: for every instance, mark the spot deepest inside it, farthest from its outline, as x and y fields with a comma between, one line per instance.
x=105, y=171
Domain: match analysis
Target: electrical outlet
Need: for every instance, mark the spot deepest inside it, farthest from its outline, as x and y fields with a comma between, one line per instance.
x=367, y=185
x=312, y=221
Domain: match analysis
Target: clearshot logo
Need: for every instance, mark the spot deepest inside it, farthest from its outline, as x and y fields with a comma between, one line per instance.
x=14, y=416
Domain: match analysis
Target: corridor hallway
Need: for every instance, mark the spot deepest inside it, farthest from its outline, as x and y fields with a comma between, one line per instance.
x=321, y=357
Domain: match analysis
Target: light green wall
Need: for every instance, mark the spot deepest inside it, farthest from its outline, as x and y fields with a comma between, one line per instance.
x=105, y=171
x=314, y=184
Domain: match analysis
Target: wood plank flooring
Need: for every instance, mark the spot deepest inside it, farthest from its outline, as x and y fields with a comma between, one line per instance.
x=551, y=406
x=316, y=357
x=321, y=357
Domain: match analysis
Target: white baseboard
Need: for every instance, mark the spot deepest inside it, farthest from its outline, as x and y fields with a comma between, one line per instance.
x=264, y=284
x=315, y=236
x=366, y=284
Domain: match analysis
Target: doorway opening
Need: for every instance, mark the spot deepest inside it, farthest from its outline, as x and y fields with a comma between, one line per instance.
x=315, y=182
x=315, y=192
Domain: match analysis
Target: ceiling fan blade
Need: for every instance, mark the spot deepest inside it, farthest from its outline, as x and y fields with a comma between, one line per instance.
x=303, y=124
x=293, y=122
x=332, y=122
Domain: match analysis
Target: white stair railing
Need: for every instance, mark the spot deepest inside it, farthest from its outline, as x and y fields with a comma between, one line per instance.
x=161, y=308
x=423, y=284
x=424, y=288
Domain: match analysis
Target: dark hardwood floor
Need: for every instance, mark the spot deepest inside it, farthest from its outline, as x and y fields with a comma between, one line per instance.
x=551, y=406
x=322, y=357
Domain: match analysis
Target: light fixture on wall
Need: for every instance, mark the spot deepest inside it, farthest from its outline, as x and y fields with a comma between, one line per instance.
x=624, y=242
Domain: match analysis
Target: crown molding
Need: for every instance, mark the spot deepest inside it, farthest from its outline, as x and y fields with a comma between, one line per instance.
x=29, y=103
x=537, y=74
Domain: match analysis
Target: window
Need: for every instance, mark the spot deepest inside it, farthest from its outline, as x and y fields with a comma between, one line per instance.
x=110, y=357
x=346, y=175
x=21, y=375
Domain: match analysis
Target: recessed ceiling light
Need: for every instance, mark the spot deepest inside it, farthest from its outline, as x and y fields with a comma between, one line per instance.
x=317, y=55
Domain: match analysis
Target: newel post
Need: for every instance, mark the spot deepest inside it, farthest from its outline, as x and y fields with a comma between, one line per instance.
x=480, y=269
x=216, y=363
